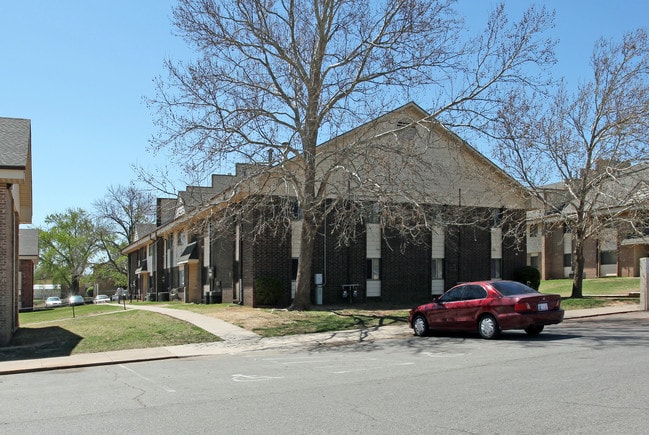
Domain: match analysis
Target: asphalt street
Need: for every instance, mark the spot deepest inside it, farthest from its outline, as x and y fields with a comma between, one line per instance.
x=585, y=375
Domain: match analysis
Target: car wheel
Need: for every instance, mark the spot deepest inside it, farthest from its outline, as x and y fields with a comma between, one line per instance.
x=488, y=327
x=420, y=325
x=534, y=330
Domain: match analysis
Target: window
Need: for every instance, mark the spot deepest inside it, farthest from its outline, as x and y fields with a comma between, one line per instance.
x=406, y=130
x=472, y=292
x=373, y=214
x=567, y=260
x=534, y=261
x=511, y=288
x=296, y=211
x=608, y=257
x=374, y=269
x=534, y=230
x=496, y=268
x=497, y=217
x=453, y=295
x=294, y=265
x=437, y=268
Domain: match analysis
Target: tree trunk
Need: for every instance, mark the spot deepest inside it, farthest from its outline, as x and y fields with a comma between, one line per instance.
x=75, y=284
x=578, y=270
x=302, y=299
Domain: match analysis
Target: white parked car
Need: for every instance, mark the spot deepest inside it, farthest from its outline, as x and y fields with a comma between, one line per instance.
x=52, y=302
x=101, y=299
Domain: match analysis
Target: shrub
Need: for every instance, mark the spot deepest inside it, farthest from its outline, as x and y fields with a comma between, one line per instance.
x=528, y=275
x=89, y=292
x=268, y=290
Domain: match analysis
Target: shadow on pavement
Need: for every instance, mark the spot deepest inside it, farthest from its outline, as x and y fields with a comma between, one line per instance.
x=34, y=343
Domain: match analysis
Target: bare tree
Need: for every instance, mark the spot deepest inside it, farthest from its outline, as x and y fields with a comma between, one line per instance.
x=117, y=215
x=273, y=78
x=593, y=141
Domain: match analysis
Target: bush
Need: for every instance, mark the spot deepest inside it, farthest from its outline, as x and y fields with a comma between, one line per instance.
x=268, y=290
x=89, y=292
x=528, y=275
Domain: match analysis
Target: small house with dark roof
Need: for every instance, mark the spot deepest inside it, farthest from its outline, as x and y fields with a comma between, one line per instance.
x=15, y=209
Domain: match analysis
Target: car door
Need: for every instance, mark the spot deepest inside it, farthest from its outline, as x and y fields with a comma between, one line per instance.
x=444, y=314
x=473, y=296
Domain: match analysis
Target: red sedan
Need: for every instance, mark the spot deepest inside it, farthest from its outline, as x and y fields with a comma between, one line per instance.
x=488, y=307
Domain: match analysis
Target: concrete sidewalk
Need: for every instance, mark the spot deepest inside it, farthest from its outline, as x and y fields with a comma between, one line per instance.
x=238, y=340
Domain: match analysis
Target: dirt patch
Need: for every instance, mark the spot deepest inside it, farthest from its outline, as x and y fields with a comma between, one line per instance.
x=252, y=319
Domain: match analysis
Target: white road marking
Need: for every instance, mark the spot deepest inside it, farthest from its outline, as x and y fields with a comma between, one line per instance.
x=253, y=378
x=167, y=389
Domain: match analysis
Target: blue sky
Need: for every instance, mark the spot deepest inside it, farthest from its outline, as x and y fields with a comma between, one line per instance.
x=79, y=69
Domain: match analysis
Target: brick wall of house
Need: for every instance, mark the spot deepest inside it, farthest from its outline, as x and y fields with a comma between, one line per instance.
x=271, y=257
x=8, y=272
x=590, y=258
x=629, y=260
x=514, y=247
x=553, y=256
x=405, y=274
x=27, y=283
x=344, y=264
x=468, y=255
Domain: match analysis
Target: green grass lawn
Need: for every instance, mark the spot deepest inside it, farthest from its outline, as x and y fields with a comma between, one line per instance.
x=96, y=328
x=593, y=287
x=105, y=327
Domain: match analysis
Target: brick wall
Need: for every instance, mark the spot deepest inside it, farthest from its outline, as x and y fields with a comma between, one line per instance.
x=270, y=257
x=590, y=258
x=406, y=274
x=514, y=246
x=344, y=264
x=468, y=254
x=553, y=255
x=8, y=270
x=27, y=281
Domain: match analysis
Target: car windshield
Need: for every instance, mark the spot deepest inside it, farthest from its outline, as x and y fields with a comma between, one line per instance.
x=511, y=288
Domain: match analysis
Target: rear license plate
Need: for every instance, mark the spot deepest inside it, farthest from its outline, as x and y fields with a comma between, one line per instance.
x=543, y=307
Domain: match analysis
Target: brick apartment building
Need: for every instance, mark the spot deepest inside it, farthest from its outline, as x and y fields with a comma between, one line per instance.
x=180, y=255
x=615, y=250
x=15, y=209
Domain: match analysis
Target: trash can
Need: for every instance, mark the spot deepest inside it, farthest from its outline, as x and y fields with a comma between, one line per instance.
x=207, y=298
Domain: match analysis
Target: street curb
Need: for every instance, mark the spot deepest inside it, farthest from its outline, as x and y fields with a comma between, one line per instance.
x=245, y=344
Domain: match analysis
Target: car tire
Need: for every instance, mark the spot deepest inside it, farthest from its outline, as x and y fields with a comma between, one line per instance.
x=534, y=330
x=488, y=327
x=420, y=325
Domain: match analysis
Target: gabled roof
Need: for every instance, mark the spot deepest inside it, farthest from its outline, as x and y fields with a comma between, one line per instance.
x=190, y=202
x=16, y=164
x=15, y=141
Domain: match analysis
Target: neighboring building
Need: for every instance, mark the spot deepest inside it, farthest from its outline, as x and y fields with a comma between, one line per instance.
x=615, y=250
x=185, y=257
x=15, y=209
x=28, y=257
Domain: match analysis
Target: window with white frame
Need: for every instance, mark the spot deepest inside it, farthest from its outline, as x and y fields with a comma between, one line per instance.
x=437, y=268
x=374, y=269
x=496, y=253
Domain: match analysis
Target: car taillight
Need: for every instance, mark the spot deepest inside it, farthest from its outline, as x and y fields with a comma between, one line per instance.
x=522, y=307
